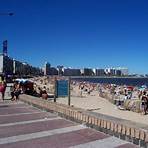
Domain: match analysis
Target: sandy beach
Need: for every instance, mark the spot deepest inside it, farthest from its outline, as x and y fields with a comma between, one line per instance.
x=103, y=106
x=92, y=102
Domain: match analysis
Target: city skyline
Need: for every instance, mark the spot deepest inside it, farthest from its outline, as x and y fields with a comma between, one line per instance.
x=77, y=33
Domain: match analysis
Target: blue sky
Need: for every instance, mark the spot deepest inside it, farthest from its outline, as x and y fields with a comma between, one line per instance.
x=77, y=33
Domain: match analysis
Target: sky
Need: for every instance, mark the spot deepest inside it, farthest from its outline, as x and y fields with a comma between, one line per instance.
x=77, y=33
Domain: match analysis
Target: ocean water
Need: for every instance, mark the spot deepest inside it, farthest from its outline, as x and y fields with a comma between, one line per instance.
x=117, y=81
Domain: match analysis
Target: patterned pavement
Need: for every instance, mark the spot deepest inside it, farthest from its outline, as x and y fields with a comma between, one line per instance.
x=23, y=126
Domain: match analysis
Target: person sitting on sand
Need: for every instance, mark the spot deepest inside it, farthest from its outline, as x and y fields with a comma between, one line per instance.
x=40, y=92
x=44, y=93
x=16, y=92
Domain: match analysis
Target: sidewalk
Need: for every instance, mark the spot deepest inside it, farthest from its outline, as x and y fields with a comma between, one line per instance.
x=22, y=125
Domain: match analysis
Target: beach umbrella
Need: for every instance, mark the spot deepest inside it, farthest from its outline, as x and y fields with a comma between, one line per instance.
x=130, y=88
x=21, y=80
x=143, y=86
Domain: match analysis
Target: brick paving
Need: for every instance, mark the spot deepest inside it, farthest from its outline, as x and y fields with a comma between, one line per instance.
x=24, y=126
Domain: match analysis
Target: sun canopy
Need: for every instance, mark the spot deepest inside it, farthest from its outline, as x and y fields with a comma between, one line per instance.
x=22, y=80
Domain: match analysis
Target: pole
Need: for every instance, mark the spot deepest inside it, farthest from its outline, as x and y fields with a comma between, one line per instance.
x=69, y=91
x=55, y=89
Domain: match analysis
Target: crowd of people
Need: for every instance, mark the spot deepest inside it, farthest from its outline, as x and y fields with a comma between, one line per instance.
x=16, y=89
x=118, y=94
x=113, y=91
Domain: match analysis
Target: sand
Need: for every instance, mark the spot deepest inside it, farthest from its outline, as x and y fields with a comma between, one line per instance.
x=101, y=105
x=95, y=103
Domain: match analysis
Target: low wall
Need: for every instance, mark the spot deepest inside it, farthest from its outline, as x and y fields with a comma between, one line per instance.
x=123, y=129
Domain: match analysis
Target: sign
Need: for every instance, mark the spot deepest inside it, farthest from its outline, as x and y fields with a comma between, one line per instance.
x=62, y=88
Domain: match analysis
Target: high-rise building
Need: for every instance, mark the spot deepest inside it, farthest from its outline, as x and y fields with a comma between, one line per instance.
x=47, y=68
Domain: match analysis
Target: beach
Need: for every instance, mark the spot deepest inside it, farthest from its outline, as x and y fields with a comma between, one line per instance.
x=93, y=102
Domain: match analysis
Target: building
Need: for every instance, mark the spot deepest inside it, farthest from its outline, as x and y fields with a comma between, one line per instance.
x=17, y=66
x=36, y=71
x=71, y=72
x=109, y=72
x=53, y=71
x=24, y=69
x=46, y=69
x=10, y=66
x=99, y=72
x=113, y=72
x=6, y=65
x=60, y=70
x=87, y=72
x=118, y=73
x=124, y=71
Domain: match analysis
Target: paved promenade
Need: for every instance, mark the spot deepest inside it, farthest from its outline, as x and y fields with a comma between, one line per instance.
x=23, y=126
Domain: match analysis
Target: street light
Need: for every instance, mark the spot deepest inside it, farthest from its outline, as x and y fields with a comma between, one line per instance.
x=8, y=14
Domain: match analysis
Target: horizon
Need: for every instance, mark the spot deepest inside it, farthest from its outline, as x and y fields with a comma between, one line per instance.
x=77, y=33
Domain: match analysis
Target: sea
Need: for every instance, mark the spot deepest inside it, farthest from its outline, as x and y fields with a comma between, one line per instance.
x=132, y=81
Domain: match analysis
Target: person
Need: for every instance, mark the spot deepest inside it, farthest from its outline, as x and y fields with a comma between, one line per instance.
x=144, y=102
x=12, y=92
x=44, y=93
x=3, y=86
x=125, y=97
x=129, y=94
x=16, y=92
x=40, y=92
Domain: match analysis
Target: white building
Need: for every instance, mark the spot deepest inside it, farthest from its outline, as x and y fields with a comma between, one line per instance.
x=6, y=65
x=124, y=71
x=9, y=66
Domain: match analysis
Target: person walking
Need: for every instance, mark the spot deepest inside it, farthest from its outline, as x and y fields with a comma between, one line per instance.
x=3, y=86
